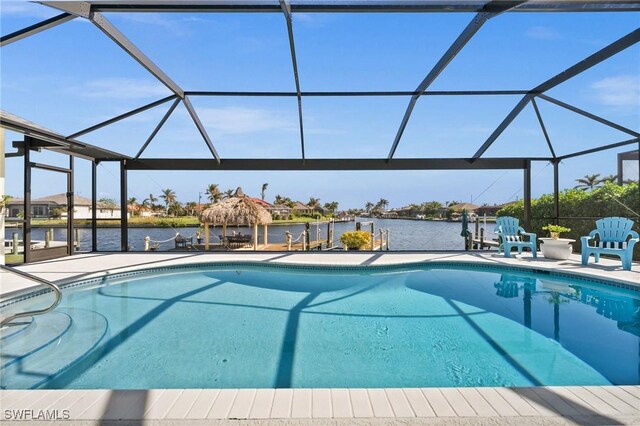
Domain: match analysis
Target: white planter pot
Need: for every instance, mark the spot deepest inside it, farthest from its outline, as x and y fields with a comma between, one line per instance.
x=559, y=249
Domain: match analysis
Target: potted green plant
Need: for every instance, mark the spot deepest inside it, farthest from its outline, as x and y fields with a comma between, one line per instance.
x=555, y=230
x=355, y=240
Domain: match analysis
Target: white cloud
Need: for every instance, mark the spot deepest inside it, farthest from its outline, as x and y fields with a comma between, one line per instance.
x=119, y=88
x=542, y=33
x=619, y=91
x=26, y=9
x=176, y=26
x=239, y=120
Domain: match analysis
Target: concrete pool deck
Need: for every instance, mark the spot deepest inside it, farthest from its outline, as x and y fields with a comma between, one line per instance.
x=533, y=406
x=91, y=265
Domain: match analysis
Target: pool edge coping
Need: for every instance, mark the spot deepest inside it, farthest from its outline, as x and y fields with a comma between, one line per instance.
x=19, y=295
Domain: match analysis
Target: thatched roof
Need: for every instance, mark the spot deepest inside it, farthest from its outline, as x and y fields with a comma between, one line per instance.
x=238, y=209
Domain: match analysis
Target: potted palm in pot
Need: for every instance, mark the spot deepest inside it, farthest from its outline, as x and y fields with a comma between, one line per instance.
x=555, y=230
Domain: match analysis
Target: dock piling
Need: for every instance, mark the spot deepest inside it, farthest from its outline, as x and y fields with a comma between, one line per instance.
x=14, y=248
x=306, y=243
x=288, y=238
x=373, y=237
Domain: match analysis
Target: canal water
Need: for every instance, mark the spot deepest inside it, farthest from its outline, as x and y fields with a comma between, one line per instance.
x=405, y=234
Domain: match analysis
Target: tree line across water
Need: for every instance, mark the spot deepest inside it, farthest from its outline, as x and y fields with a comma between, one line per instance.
x=173, y=207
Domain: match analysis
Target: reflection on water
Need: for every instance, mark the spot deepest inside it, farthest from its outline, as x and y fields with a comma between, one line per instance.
x=405, y=234
x=623, y=309
x=560, y=310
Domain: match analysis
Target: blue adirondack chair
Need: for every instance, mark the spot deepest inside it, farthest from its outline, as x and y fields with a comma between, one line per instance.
x=612, y=235
x=511, y=234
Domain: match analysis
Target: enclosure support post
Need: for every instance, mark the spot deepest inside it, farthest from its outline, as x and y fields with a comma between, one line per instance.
x=94, y=205
x=124, y=225
x=70, y=207
x=556, y=192
x=26, y=235
x=620, y=173
x=2, y=193
x=527, y=195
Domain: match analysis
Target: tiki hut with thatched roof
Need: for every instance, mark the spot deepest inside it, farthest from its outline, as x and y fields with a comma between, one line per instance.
x=236, y=210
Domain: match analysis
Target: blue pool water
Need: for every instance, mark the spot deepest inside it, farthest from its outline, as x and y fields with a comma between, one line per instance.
x=245, y=326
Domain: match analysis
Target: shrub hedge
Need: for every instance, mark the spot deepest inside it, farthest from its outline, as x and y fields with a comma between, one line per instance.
x=582, y=208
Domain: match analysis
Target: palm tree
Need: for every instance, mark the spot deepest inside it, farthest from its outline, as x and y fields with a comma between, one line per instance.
x=169, y=198
x=279, y=199
x=588, y=182
x=151, y=201
x=131, y=203
x=610, y=178
x=228, y=193
x=191, y=207
x=431, y=207
x=369, y=206
x=109, y=202
x=313, y=202
x=213, y=193
x=264, y=189
x=332, y=206
x=383, y=204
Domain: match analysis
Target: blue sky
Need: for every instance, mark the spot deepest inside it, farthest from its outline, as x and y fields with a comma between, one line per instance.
x=73, y=76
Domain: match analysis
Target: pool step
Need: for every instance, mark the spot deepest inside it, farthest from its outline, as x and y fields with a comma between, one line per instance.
x=17, y=328
x=32, y=337
x=50, y=349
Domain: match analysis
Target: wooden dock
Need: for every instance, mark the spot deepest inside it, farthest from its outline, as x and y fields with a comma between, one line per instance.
x=477, y=240
x=480, y=244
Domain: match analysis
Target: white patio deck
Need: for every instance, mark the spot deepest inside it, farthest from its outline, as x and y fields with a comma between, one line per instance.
x=479, y=406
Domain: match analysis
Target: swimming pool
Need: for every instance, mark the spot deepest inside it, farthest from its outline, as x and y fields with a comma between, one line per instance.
x=246, y=325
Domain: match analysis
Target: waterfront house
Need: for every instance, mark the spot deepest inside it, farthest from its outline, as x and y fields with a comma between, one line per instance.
x=144, y=211
x=56, y=206
x=261, y=202
x=280, y=211
x=489, y=211
x=408, y=211
x=391, y=214
x=300, y=209
x=464, y=206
